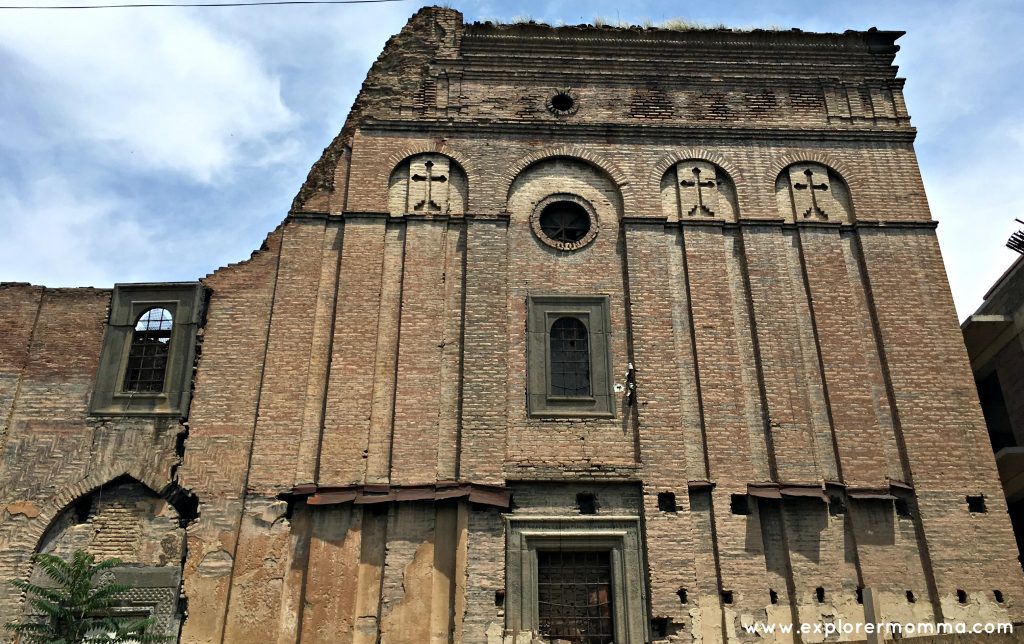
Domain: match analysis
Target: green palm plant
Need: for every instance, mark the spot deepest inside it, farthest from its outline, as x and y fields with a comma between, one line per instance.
x=76, y=607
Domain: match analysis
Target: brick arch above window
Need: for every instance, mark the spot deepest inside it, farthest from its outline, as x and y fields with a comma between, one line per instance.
x=698, y=154
x=576, y=153
x=847, y=173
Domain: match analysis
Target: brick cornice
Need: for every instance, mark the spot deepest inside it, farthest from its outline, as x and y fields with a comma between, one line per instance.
x=640, y=131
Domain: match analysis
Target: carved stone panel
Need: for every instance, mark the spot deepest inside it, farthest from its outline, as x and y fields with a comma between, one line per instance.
x=695, y=189
x=429, y=178
x=427, y=184
x=810, y=192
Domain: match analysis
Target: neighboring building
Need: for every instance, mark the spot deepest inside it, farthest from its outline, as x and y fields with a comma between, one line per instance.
x=589, y=334
x=995, y=343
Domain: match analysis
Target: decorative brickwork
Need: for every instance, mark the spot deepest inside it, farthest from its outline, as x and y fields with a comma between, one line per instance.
x=792, y=427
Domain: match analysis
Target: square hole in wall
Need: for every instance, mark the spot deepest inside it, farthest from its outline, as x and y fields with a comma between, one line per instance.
x=726, y=596
x=586, y=502
x=666, y=501
x=659, y=626
x=738, y=504
x=976, y=504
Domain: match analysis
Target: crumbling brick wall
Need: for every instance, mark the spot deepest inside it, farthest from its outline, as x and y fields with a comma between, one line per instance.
x=797, y=359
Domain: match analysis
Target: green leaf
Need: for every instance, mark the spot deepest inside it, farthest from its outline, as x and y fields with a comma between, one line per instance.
x=74, y=605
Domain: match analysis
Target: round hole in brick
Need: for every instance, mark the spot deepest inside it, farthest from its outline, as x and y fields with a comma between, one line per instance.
x=565, y=221
x=563, y=102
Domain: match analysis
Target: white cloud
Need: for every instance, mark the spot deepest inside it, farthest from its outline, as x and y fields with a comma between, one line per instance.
x=155, y=88
x=62, y=235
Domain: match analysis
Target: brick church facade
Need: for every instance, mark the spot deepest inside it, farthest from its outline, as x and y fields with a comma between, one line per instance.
x=572, y=334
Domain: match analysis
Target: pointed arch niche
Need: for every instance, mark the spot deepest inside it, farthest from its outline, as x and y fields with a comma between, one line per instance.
x=125, y=519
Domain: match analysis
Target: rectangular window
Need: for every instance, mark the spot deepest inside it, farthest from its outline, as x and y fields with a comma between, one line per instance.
x=568, y=361
x=148, y=350
x=574, y=596
x=576, y=579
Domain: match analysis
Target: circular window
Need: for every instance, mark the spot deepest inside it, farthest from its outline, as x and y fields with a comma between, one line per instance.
x=562, y=104
x=565, y=222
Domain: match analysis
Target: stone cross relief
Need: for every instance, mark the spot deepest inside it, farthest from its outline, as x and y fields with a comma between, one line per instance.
x=812, y=192
x=698, y=189
x=428, y=184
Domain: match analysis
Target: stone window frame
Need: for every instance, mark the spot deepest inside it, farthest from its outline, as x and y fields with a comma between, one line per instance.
x=618, y=535
x=538, y=231
x=594, y=312
x=185, y=301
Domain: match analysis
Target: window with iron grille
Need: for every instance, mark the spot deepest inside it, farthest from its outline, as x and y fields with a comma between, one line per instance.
x=570, y=358
x=576, y=578
x=568, y=361
x=147, y=357
x=574, y=596
x=149, y=348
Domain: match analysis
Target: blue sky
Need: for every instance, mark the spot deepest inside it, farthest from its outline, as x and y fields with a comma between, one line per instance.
x=159, y=144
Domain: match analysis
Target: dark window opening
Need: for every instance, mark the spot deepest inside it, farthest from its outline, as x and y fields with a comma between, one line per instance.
x=666, y=501
x=562, y=102
x=587, y=503
x=499, y=598
x=574, y=596
x=910, y=597
x=819, y=594
x=976, y=504
x=565, y=221
x=961, y=596
x=860, y=594
x=738, y=504
x=726, y=596
x=993, y=406
x=998, y=594
x=681, y=593
x=147, y=357
x=836, y=506
x=773, y=596
x=570, y=358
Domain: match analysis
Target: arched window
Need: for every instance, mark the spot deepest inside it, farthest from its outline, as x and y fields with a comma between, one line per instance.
x=147, y=358
x=570, y=358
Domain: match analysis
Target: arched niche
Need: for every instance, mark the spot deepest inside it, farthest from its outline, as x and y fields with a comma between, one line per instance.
x=572, y=178
x=427, y=184
x=808, y=191
x=126, y=520
x=694, y=189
